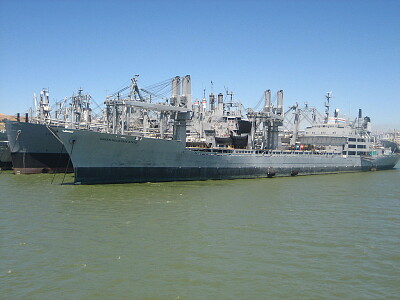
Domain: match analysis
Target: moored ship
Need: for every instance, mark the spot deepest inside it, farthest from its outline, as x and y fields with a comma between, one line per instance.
x=34, y=149
x=330, y=147
x=108, y=158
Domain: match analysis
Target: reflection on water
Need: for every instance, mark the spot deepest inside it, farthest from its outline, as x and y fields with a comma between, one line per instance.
x=327, y=236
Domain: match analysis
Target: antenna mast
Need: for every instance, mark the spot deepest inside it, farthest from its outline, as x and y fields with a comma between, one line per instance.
x=328, y=96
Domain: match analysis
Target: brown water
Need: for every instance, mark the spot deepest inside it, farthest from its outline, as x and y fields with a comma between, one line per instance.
x=313, y=237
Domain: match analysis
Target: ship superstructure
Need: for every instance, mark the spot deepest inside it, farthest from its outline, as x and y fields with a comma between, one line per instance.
x=142, y=112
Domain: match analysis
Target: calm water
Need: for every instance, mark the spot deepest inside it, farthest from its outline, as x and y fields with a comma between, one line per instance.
x=314, y=237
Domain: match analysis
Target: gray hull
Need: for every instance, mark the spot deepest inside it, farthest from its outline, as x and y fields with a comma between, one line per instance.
x=34, y=149
x=111, y=158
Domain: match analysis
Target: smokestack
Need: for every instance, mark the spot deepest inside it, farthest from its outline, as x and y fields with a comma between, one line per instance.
x=220, y=107
x=220, y=98
x=176, y=90
x=186, y=99
x=267, y=97
x=279, y=110
x=41, y=96
x=367, y=124
x=196, y=105
x=204, y=104
x=47, y=97
x=44, y=96
x=212, y=101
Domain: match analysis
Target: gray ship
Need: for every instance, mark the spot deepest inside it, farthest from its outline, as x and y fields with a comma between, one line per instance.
x=34, y=149
x=332, y=146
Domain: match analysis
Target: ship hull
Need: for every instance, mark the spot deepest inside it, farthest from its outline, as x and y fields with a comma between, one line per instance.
x=5, y=157
x=111, y=158
x=34, y=149
x=96, y=175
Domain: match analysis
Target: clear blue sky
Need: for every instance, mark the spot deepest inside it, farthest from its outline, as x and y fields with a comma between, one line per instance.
x=306, y=48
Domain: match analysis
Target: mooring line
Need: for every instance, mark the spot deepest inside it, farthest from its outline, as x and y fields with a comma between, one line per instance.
x=58, y=163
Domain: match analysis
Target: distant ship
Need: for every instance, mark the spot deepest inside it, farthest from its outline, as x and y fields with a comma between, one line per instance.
x=332, y=146
x=391, y=140
x=395, y=147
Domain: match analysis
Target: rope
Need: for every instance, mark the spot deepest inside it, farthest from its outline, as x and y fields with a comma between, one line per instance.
x=58, y=163
x=48, y=127
x=258, y=103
